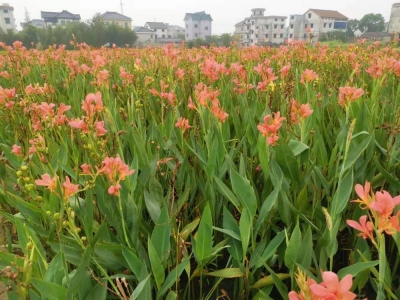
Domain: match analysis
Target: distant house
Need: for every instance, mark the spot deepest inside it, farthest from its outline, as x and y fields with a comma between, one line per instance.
x=384, y=37
x=317, y=21
x=39, y=23
x=174, y=31
x=160, y=29
x=53, y=19
x=7, y=20
x=144, y=35
x=259, y=29
x=197, y=25
x=111, y=17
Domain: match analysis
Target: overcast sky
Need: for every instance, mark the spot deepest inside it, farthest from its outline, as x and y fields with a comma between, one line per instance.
x=224, y=13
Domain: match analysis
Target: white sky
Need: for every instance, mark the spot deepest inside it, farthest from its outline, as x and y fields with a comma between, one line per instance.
x=224, y=13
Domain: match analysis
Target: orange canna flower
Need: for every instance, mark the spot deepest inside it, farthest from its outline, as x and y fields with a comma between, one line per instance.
x=332, y=288
x=114, y=189
x=46, y=180
x=79, y=124
x=16, y=150
x=115, y=169
x=363, y=193
x=384, y=204
x=86, y=169
x=308, y=76
x=100, y=131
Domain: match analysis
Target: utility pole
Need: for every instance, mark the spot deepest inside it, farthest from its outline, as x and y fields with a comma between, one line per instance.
x=122, y=7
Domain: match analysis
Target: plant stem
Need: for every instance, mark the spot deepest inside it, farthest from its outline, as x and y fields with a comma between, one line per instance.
x=123, y=221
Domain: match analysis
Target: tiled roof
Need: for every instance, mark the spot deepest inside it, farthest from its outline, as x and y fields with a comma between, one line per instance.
x=328, y=13
x=142, y=30
x=157, y=25
x=111, y=15
x=64, y=14
x=200, y=16
x=240, y=23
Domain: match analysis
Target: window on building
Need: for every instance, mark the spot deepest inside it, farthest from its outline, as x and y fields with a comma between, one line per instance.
x=324, y=25
x=5, y=11
x=242, y=28
x=330, y=25
x=206, y=28
x=275, y=26
x=291, y=35
x=252, y=22
x=7, y=20
x=256, y=27
x=291, y=26
x=256, y=36
x=187, y=26
x=162, y=30
x=266, y=26
x=309, y=16
x=276, y=19
x=274, y=35
x=281, y=35
x=282, y=26
x=151, y=36
x=169, y=36
x=248, y=36
x=126, y=24
x=312, y=25
x=292, y=17
x=187, y=35
x=63, y=23
x=305, y=26
x=251, y=41
x=163, y=36
x=196, y=35
x=283, y=20
x=252, y=32
x=304, y=35
x=195, y=26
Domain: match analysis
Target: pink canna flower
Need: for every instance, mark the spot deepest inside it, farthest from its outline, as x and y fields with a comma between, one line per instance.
x=270, y=127
x=384, y=204
x=17, y=45
x=285, y=70
x=363, y=193
x=114, y=189
x=79, y=124
x=349, y=94
x=69, y=188
x=183, y=124
x=365, y=228
x=308, y=76
x=16, y=150
x=100, y=131
x=219, y=113
x=299, y=111
x=191, y=105
x=92, y=104
x=86, y=169
x=115, y=169
x=46, y=180
x=180, y=73
x=332, y=288
x=63, y=108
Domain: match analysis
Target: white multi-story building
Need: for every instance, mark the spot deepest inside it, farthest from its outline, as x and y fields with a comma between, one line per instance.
x=318, y=21
x=175, y=31
x=7, y=20
x=260, y=29
x=160, y=29
x=394, y=23
x=144, y=35
x=197, y=26
x=53, y=19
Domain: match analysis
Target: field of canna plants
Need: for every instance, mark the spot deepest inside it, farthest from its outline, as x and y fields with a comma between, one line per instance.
x=212, y=173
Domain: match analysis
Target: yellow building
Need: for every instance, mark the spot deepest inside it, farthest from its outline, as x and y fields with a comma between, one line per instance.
x=110, y=17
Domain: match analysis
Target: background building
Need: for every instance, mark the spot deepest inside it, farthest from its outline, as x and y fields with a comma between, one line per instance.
x=7, y=20
x=394, y=22
x=258, y=29
x=144, y=35
x=197, y=25
x=111, y=17
x=160, y=29
x=53, y=19
x=175, y=31
x=319, y=21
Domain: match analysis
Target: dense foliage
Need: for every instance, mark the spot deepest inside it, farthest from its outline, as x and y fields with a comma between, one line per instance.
x=175, y=173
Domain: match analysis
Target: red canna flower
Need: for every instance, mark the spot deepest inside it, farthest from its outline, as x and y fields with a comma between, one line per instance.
x=46, y=180
x=365, y=228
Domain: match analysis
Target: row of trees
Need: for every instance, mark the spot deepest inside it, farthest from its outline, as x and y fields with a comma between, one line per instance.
x=368, y=23
x=94, y=33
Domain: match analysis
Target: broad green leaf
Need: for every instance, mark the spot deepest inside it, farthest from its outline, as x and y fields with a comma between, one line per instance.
x=56, y=270
x=356, y=153
x=297, y=147
x=49, y=290
x=139, y=288
x=287, y=161
x=227, y=273
x=353, y=270
x=152, y=205
x=172, y=277
x=245, y=226
x=99, y=292
x=204, y=236
x=244, y=192
x=270, y=250
x=171, y=296
x=188, y=229
x=292, y=251
x=268, y=280
x=156, y=265
x=230, y=224
x=77, y=280
x=341, y=197
x=134, y=263
x=228, y=232
x=161, y=235
x=227, y=192
x=266, y=207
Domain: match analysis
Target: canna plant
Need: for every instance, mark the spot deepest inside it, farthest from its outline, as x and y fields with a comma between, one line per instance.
x=175, y=173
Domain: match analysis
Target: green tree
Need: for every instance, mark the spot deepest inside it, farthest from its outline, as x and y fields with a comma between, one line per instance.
x=372, y=23
x=29, y=35
x=226, y=39
x=352, y=26
x=180, y=36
